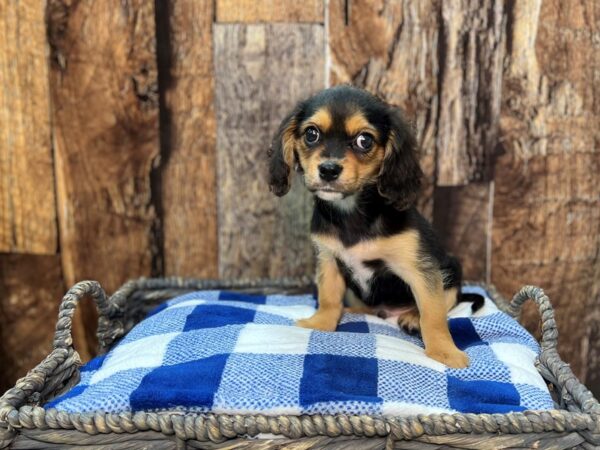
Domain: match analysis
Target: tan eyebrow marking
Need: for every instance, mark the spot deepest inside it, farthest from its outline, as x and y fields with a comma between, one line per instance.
x=321, y=119
x=357, y=122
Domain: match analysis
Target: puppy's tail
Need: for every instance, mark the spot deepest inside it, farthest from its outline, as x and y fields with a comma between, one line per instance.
x=476, y=299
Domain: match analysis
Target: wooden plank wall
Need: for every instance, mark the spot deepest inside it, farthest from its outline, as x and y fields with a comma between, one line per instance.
x=27, y=203
x=135, y=144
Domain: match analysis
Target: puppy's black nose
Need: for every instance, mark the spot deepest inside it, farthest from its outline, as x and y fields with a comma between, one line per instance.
x=329, y=171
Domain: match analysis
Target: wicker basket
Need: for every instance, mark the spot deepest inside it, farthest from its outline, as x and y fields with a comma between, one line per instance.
x=575, y=423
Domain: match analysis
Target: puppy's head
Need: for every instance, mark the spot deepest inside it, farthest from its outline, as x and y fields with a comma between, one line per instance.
x=343, y=139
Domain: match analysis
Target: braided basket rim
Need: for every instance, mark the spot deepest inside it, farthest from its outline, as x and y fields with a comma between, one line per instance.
x=60, y=368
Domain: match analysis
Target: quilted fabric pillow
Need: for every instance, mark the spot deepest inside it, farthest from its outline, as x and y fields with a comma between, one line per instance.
x=233, y=353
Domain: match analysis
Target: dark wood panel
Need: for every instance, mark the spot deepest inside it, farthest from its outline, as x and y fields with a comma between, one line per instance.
x=461, y=216
x=248, y=11
x=261, y=71
x=105, y=112
x=27, y=202
x=187, y=184
x=546, y=223
x=31, y=287
x=441, y=62
x=471, y=52
x=390, y=49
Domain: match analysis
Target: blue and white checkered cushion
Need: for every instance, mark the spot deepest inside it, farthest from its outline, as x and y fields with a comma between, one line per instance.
x=233, y=353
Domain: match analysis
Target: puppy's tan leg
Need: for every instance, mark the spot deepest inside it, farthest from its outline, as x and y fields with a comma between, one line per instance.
x=426, y=282
x=410, y=320
x=331, y=293
x=433, y=309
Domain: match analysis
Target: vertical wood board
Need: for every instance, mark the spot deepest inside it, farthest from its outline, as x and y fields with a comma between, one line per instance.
x=27, y=199
x=105, y=113
x=546, y=223
x=461, y=217
x=188, y=138
x=261, y=72
x=390, y=49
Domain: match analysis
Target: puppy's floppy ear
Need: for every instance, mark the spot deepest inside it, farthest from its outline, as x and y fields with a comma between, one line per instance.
x=400, y=176
x=281, y=155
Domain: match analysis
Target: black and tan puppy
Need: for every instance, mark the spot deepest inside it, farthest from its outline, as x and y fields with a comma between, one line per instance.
x=358, y=156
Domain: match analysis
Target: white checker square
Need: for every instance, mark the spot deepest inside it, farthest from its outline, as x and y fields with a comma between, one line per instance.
x=395, y=349
x=294, y=312
x=273, y=339
x=145, y=352
x=520, y=361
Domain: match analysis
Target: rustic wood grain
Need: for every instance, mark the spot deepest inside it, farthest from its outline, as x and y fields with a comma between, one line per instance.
x=187, y=184
x=248, y=11
x=471, y=52
x=31, y=287
x=389, y=48
x=27, y=201
x=461, y=217
x=105, y=112
x=441, y=62
x=546, y=222
x=261, y=71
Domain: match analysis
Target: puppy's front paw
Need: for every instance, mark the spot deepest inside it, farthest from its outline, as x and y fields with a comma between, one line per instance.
x=454, y=358
x=317, y=323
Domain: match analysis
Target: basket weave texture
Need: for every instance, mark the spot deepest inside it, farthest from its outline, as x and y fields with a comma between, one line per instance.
x=575, y=423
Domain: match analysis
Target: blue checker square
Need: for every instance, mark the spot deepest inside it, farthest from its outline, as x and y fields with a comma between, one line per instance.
x=213, y=316
x=534, y=397
x=499, y=328
x=335, y=378
x=464, y=333
x=287, y=300
x=197, y=344
x=166, y=321
x=271, y=319
x=483, y=397
x=483, y=365
x=343, y=344
x=354, y=327
x=260, y=382
x=239, y=297
x=189, y=384
x=110, y=395
x=385, y=329
x=403, y=382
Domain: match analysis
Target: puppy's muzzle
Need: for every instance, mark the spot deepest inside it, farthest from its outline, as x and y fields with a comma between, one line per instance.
x=329, y=171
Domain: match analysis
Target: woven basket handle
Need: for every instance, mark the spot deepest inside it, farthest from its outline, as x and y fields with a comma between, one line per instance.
x=572, y=391
x=50, y=374
x=549, y=331
x=63, y=336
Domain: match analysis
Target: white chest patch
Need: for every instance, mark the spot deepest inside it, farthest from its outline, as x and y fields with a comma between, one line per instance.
x=361, y=274
x=352, y=257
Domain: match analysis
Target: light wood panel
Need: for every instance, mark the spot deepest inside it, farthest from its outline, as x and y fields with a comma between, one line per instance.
x=252, y=11
x=261, y=71
x=27, y=200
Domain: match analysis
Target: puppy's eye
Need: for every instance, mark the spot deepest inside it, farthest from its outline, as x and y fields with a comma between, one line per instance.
x=363, y=142
x=311, y=135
